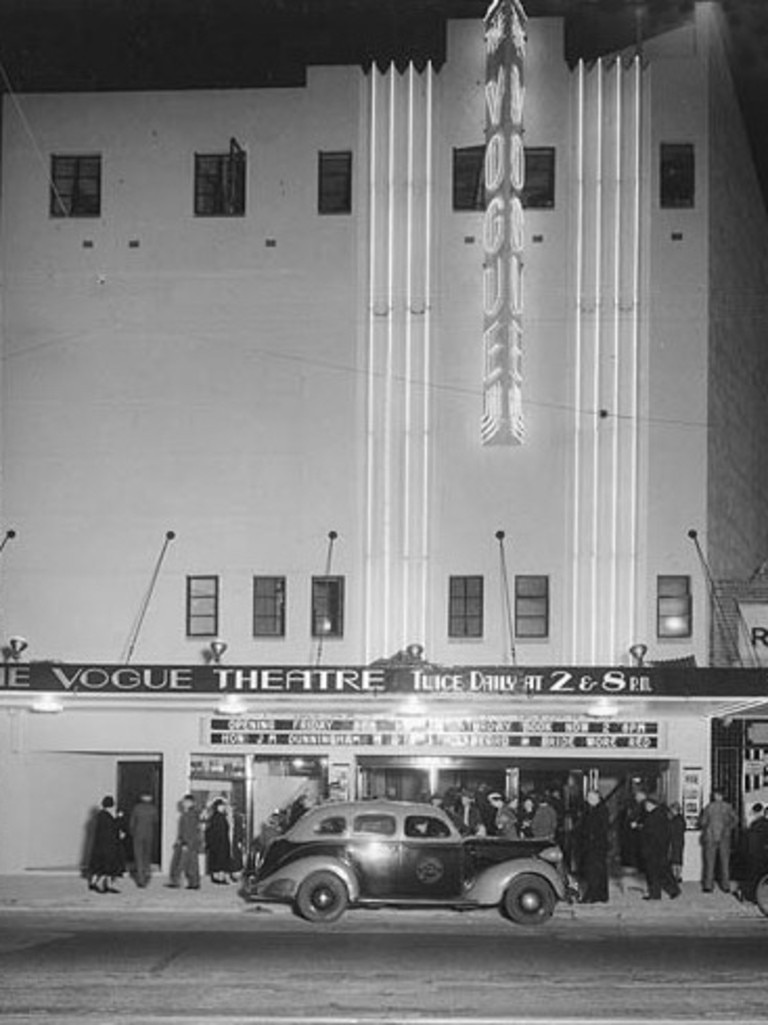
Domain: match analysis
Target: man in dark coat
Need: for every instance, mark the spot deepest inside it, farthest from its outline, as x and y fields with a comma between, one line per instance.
x=106, y=862
x=654, y=846
x=593, y=845
x=757, y=852
x=186, y=850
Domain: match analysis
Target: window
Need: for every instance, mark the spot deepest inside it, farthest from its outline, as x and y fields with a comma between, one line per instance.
x=531, y=606
x=375, y=825
x=677, y=175
x=327, y=606
x=465, y=607
x=334, y=183
x=539, y=188
x=75, y=186
x=269, y=606
x=334, y=825
x=220, y=183
x=420, y=827
x=674, y=610
x=202, y=606
x=469, y=185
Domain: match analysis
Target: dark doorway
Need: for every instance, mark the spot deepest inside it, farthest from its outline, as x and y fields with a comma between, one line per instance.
x=134, y=779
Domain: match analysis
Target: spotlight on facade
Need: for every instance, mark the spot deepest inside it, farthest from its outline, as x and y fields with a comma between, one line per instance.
x=638, y=653
x=217, y=649
x=16, y=647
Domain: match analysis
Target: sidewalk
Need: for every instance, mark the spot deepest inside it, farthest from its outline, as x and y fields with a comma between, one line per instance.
x=61, y=891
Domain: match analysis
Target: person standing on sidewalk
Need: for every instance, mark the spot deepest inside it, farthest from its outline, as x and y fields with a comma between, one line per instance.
x=655, y=837
x=143, y=827
x=217, y=843
x=106, y=861
x=676, y=839
x=593, y=846
x=718, y=820
x=186, y=850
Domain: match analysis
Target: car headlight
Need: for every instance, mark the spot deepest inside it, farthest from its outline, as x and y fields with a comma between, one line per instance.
x=551, y=854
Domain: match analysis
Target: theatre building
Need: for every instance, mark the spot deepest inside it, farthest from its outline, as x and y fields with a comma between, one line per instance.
x=381, y=417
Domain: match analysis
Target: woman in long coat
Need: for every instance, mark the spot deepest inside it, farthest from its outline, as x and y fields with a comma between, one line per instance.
x=593, y=850
x=217, y=844
x=107, y=860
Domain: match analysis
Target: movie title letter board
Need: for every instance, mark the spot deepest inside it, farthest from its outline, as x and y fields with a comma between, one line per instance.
x=398, y=732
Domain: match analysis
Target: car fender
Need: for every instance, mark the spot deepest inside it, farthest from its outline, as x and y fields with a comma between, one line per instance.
x=491, y=884
x=286, y=880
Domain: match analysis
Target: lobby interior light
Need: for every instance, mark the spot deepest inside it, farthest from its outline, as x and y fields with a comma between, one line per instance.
x=603, y=708
x=47, y=704
x=232, y=704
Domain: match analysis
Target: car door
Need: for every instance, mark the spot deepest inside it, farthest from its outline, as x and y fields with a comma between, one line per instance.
x=430, y=859
x=374, y=851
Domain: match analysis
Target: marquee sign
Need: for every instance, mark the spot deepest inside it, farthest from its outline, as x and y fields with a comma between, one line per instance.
x=504, y=178
x=418, y=679
x=481, y=733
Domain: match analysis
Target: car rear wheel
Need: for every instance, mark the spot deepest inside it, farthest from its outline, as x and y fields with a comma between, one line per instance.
x=529, y=900
x=322, y=897
x=761, y=894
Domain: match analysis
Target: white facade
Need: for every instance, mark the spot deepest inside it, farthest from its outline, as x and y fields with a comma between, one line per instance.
x=252, y=383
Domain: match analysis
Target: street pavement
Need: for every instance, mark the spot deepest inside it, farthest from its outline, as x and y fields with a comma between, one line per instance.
x=60, y=891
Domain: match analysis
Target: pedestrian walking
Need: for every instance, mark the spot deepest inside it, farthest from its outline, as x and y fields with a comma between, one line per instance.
x=106, y=861
x=630, y=839
x=218, y=847
x=186, y=850
x=676, y=839
x=592, y=846
x=654, y=848
x=718, y=820
x=143, y=828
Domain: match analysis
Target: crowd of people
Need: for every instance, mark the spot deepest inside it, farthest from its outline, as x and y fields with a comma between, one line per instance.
x=651, y=838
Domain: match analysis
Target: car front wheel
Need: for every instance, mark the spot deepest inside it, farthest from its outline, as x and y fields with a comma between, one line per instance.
x=761, y=894
x=322, y=897
x=529, y=900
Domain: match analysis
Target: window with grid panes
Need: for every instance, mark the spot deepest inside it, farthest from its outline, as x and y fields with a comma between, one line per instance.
x=75, y=188
x=334, y=182
x=469, y=182
x=677, y=175
x=531, y=606
x=269, y=606
x=327, y=606
x=202, y=606
x=674, y=606
x=220, y=184
x=465, y=607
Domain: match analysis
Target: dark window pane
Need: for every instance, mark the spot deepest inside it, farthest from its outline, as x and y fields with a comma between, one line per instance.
x=75, y=186
x=539, y=188
x=532, y=606
x=334, y=187
x=327, y=606
x=674, y=608
x=269, y=606
x=677, y=175
x=468, y=185
x=465, y=606
x=202, y=606
x=220, y=184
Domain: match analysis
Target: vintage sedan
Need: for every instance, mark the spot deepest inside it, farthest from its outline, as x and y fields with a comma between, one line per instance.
x=397, y=853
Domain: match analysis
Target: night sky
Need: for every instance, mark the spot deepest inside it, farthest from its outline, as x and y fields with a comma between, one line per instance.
x=51, y=45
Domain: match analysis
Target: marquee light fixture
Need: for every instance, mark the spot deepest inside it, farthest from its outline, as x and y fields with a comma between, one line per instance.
x=16, y=647
x=216, y=651
x=232, y=705
x=47, y=704
x=638, y=653
x=603, y=708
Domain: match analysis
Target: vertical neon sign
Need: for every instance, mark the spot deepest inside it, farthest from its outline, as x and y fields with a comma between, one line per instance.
x=503, y=223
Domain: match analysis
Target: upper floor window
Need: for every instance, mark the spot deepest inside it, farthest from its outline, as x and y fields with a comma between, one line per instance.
x=677, y=175
x=469, y=185
x=465, y=607
x=220, y=183
x=334, y=182
x=674, y=607
x=202, y=606
x=327, y=606
x=75, y=189
x=269, y=606
x=531, y=606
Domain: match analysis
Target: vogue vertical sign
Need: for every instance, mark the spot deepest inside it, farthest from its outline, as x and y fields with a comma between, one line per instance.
x=504, y=172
